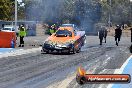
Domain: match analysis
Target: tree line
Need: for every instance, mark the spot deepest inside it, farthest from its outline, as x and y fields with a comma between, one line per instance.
x=68, y=10
x=7, y=10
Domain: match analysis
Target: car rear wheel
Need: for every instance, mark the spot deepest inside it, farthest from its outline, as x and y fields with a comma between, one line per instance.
x=74, y=51
x=68, y=51
x=79, y=50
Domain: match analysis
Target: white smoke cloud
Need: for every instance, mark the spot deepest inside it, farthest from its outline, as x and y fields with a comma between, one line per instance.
x=85, y=11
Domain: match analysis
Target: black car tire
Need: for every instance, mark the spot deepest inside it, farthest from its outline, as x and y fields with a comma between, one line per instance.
x=74, y=51
x=79, y=50
x=69, y=52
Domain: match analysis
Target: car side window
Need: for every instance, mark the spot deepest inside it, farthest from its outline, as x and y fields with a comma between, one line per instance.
x=75, y=32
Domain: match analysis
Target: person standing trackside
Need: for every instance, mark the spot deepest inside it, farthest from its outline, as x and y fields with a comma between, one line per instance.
x=105, y=33
x=118, y=33
x=22, y=34
x=53, y=29
x=101, y=35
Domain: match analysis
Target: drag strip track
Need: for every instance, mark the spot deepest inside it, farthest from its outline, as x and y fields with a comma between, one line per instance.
x=37, y=65
x=36, y=70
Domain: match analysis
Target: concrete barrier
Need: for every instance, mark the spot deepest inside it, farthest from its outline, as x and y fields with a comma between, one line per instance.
x=7, y=39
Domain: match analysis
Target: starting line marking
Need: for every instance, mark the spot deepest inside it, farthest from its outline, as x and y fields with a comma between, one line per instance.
x=19, y=52
x=120, y=71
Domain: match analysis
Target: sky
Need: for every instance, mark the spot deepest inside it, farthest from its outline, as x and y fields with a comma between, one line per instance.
x=22, y=4
x=19, y=0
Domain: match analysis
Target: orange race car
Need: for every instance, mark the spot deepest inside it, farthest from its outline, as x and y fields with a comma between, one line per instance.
x=67, y=38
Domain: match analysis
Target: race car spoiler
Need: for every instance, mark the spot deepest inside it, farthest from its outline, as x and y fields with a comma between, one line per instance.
x=81, y=33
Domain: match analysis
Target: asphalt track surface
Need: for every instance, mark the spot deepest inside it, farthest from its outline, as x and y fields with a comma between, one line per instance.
x=36, y=70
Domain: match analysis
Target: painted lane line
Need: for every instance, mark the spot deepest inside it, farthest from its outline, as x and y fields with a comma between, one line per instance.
x=67, y=81
x=106, y=55
x=106, y=61
x=104, y=64
x=3, y=50
x=20, y=52
x=120, y=71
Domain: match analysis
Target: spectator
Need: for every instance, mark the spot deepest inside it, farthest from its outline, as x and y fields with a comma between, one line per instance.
x=105, y=33
x=118, y=33
x=22, y=34
x=101, y=35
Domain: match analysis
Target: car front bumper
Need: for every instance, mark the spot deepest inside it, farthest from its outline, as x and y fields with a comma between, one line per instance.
x=47, y=47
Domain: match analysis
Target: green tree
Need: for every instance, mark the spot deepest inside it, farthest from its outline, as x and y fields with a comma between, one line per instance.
x=6, y=9
x=120, y=11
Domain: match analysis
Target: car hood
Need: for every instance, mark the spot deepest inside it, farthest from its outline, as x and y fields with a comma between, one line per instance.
x=60, y=40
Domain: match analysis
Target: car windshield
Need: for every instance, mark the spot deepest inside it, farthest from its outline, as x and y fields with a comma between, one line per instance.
x=63, y=33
